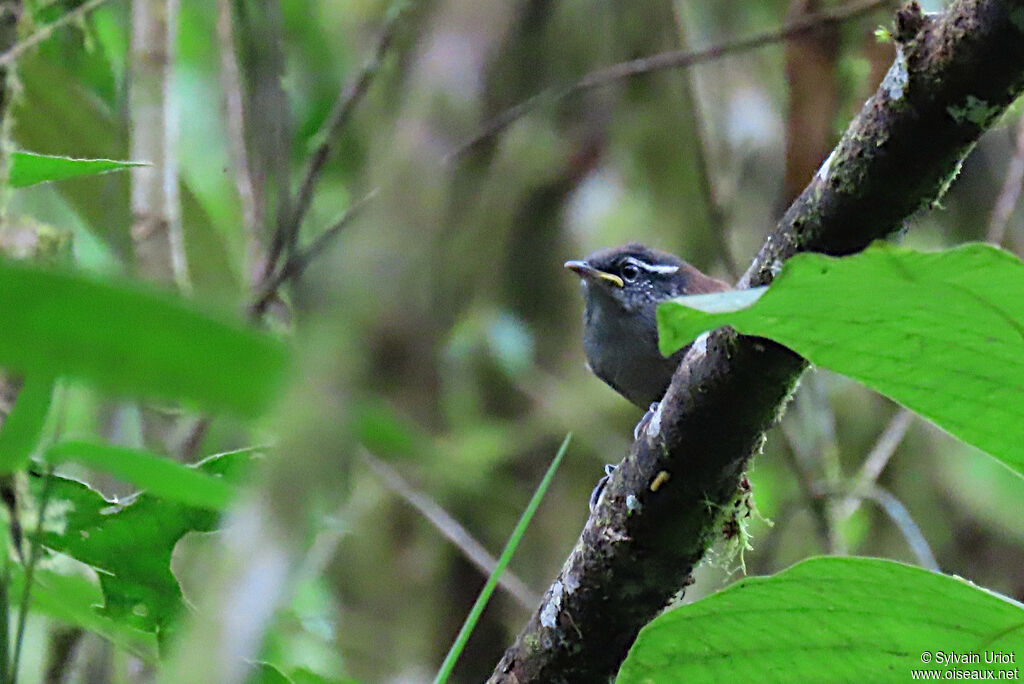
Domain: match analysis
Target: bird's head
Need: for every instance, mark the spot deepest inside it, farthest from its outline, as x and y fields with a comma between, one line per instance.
x=635, y=277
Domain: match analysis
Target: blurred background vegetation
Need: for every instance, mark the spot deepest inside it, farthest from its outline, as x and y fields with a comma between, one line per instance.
x=438, y=332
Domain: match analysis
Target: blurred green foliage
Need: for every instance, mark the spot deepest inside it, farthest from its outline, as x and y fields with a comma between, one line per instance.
x=131, y=340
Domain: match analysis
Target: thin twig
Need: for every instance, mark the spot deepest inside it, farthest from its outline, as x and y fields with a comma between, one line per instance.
x=876, y=460
x=60, y=652
x=299, y=260
x=451, y=529
x=886, y=446
x=712, y=205
x=46, y=31
x=265, y=285
x=30, y=567
x=812, y=495
x=664, y=60
x=286, y=236
x=1009, y=194
x=899, y=515
x=813, y=405
x=234, y=114
x=5, y=618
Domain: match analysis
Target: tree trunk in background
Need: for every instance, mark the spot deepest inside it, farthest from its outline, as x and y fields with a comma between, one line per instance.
x=811, y=61
x=157, y=241
x=156, y=226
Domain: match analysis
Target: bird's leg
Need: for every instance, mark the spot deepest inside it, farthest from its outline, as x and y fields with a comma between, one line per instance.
x=595, y=496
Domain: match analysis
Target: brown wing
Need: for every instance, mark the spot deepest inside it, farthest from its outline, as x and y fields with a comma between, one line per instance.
x=698, y=283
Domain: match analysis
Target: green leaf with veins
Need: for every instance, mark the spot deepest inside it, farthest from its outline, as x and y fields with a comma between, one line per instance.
x=941, y=333
x=826, y=620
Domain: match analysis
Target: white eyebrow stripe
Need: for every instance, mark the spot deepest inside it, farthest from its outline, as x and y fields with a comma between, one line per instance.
x=652, y=268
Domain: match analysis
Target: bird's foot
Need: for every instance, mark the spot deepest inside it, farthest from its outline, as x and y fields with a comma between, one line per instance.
x=595, y=496
x=645, y=421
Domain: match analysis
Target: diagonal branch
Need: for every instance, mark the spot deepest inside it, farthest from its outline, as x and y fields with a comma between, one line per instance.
x=661, y=508
x=452, y=530
x=266, y=292
x=876, y=461
x=285, y=237
x=900, y=517
x=299, y=260
x=673, y=59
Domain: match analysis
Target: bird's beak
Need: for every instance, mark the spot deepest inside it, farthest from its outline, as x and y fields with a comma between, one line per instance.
x=585, y=270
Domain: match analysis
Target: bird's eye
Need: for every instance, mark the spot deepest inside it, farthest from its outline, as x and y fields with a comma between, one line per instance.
x=630, y=272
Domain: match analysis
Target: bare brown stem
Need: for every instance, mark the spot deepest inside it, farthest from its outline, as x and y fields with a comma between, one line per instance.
x=299, y=260
x=705, y=178
x=286, y=236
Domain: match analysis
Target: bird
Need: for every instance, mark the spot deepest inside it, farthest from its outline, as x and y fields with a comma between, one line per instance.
x=622, y=287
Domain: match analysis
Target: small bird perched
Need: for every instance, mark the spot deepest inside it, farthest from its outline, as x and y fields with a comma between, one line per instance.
x=622, y=287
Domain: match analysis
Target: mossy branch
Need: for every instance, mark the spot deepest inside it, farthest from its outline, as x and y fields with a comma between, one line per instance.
x=954, y=76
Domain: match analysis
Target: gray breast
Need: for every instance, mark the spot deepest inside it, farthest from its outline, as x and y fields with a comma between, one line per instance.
x=623, y=351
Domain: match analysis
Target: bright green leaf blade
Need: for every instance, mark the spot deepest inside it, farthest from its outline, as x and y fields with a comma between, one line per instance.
x=24, y=424
x=29, y=168
x=941, y=333
x=826, y=620
x=445, y=671
x=126, y=339
x=88, y=127
x=157, y=475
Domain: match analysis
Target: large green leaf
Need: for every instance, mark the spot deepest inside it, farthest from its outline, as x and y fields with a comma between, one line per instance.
x=828, y=620
x=126, y=339
x=129, y=543
x=941, y=333
x=29, y=168
x=160, y=476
